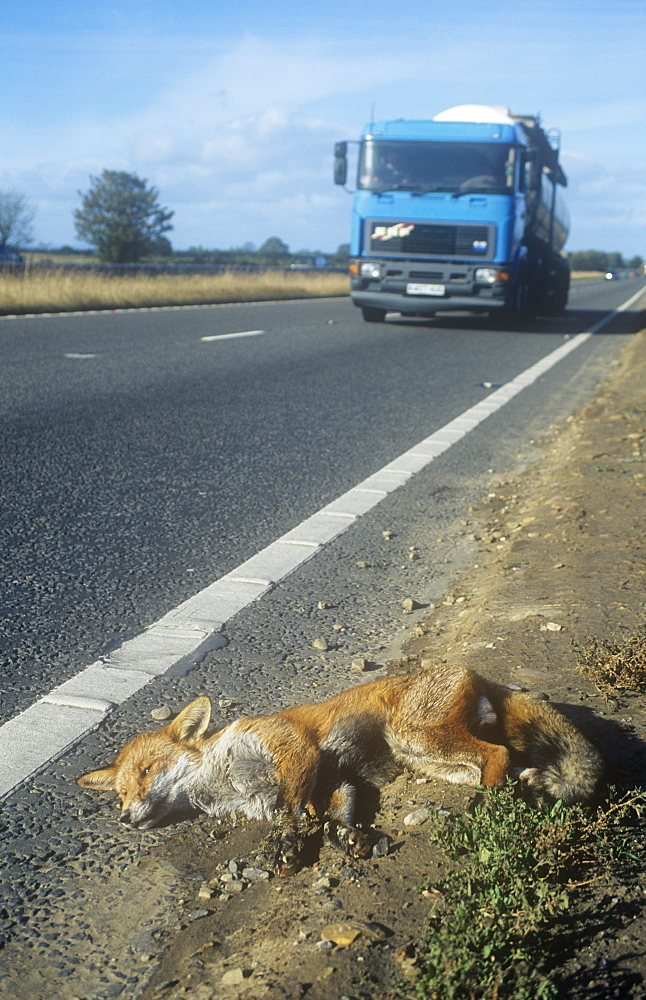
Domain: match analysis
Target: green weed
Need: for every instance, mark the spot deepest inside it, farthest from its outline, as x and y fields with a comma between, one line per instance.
x=514, y=871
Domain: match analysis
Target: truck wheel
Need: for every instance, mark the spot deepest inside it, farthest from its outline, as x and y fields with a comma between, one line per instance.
x=519, y=309
x=373, y=315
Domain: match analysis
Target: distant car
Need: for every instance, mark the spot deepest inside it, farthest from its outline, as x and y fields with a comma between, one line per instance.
x=309, y=262
x=10, y=258
x=612, y=275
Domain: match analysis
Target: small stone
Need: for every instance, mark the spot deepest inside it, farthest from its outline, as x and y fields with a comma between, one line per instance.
x=235, y=976
x=359, y=665
x=551, y=627
x=321, y=644
x=205, y=892
x=324, y=945
x=323, y=605
x=342, y=934
x=409, y=604
x=225, y=702
x=255, y=874
x=198, y=914
x=381, y=848
x=387, y=535
x=161, y=714
x=347, y=931
x=417, y=817
x=362, y=564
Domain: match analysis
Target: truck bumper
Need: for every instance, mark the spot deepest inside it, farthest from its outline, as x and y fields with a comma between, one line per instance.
x=425, y=305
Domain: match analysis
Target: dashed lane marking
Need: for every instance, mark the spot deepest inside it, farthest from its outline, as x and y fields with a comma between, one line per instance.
x=183, y=636
x=231, y=336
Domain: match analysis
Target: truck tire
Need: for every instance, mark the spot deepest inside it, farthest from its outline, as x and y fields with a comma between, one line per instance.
x=519, y=309
x=373, y=315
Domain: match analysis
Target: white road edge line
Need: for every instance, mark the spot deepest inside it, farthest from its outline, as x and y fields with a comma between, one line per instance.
x=182, y=637
x=231, y=336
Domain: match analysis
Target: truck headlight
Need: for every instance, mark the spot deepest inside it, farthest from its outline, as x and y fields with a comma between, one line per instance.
x=486, y=275
x=369, y=270
x=490, y=275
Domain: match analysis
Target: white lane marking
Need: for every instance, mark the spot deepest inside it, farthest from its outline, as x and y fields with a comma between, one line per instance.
x=231, y=336
x=75, y=356
x=181, y=638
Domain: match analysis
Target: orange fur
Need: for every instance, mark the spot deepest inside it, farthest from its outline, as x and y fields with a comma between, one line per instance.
x=447, y=722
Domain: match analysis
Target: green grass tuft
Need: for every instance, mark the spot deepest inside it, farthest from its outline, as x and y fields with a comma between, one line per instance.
x=514, y=872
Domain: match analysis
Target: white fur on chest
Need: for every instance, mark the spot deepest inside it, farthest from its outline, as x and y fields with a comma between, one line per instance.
x=237, y=774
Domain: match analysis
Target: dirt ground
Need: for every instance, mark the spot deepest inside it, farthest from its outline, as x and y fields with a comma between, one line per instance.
x=561, y=557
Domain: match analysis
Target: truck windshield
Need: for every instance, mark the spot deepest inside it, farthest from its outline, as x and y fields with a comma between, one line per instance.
x=458, y=167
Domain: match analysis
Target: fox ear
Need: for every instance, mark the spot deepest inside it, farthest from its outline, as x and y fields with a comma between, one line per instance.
x=103, y=780
x=192, y=722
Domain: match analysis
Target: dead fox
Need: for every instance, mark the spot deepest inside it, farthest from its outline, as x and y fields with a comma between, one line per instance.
x=446, y=722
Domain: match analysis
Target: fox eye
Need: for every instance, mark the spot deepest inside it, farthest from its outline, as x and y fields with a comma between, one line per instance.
x=145, y=771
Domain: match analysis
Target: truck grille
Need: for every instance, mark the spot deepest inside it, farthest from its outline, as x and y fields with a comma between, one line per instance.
x=421, y=238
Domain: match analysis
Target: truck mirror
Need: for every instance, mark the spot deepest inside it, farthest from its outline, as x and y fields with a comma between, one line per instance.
x=340, y=162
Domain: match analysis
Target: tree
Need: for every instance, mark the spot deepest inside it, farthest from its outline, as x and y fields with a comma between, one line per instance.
x=121, y=217
x=274, y=250
x=16, y=217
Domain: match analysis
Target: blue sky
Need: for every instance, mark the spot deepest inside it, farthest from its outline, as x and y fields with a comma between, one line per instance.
x=231, y=109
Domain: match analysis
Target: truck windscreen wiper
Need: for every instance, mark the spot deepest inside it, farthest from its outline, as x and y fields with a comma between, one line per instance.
x=476, y=190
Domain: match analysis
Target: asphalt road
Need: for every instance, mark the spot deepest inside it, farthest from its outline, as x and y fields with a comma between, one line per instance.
x=139, y=462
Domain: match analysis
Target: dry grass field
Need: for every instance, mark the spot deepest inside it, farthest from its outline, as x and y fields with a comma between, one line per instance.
x=60, y=290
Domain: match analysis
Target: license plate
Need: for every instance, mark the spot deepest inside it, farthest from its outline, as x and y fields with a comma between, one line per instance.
x=412, y=289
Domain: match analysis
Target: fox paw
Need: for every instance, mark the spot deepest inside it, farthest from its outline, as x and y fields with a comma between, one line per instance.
x=353, y=842
x=284, y=847
x=533, y=784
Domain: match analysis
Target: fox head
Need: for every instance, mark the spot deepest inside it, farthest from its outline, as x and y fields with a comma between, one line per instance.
x=151, y=773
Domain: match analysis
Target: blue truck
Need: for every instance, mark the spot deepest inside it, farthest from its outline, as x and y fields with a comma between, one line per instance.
x=464, y=211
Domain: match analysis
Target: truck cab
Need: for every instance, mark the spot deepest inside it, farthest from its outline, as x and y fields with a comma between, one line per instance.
x=456, y=213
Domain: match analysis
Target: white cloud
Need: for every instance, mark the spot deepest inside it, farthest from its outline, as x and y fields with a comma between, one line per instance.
x=240, y=145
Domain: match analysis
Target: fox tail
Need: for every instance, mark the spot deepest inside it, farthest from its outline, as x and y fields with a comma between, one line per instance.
x=553, y=759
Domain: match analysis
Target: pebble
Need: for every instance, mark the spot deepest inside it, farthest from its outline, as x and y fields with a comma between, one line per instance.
x=347, y=931
x=417, y=817
x=321, y=644
x=409, y=604
x=161, y=714
x=235, y=976
x=381, y=848
x=255, y=874
x=359, y=665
